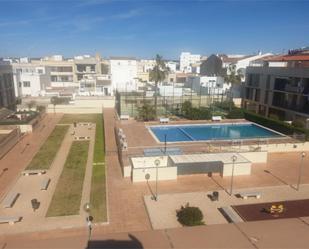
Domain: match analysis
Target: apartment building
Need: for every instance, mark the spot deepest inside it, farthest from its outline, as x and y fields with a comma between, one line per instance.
x=279, y=86
x=55, y=75
x=30, y=79
x=7, y=92
x=187, y=60
x=208, y=85
x=124, y=74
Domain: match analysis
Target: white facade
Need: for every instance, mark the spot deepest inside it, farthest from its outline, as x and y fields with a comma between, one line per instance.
x=208, y=84
x=124, y=74
x=186, y=59
x=172, y=65
x=95, y=85
x=30, y=80
x=170, y=90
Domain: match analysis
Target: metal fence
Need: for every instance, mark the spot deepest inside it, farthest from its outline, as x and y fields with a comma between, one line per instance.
x=129, y=103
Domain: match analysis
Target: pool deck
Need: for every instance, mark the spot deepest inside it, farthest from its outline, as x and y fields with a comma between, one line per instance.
x=139, y=138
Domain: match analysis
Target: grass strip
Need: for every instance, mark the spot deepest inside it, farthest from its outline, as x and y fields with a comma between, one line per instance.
x=45, y=156
x=98, y=183
x=68, y=193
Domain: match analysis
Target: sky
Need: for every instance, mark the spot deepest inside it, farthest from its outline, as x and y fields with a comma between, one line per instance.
x=144, y=28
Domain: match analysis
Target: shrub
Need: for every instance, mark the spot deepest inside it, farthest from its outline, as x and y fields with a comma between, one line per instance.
x=277, y=125
x=236, y=113
x=190, y=216
x=298, y=123
x=146, y=112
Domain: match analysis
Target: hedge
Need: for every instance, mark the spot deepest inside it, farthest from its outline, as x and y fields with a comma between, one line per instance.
x=277, y=125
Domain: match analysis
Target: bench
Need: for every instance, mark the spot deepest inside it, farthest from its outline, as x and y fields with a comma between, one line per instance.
x=245, y=195
x=124, y=117
x=10, y=200
x=45, y=184
x=164, y=120
x=216, y=118
x=11, y=220
x=33, y=172
x=231, y=215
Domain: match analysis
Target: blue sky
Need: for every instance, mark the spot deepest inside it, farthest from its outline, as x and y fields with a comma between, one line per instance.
x=144, y=28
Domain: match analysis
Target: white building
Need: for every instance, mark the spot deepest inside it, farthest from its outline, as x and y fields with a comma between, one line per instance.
x=30, y=80
x=210, y=85
x=95, y=85
x=172, y=65
x=187, y=59
x=124, y=74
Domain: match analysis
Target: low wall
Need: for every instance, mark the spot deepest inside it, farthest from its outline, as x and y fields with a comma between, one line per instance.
x=255, y=157
x=83, y=106
x=8, y=142
x=164, y=173
x=239, y=169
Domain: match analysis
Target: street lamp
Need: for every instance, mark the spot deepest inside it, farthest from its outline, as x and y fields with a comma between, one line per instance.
x=234, y=158
x=157, y=163
x=303, y=154
x=89, y=218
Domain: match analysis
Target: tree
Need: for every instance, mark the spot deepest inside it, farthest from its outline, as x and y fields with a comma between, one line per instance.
x=190, y=216
x=186, y=108
x=31, y=104
x=212, y=66
x=158, y=74
x=233, y=77
x=146, y=112
x=56, y=101
x=41, y=108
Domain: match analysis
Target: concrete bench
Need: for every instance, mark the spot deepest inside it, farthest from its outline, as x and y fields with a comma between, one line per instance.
x=124, y=117
x=10, y=200
x=33, y=172
x=231, y=215
x=10, y=219
x=216, y=118
x=246, y=195
x=164, y=120
x=45, y=184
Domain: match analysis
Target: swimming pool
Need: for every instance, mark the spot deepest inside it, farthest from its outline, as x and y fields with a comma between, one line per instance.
x=204, y=132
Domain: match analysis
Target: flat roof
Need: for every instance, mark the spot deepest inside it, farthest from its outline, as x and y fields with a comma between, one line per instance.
x=226, y=158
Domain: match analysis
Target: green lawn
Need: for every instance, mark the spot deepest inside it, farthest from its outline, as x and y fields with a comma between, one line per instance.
x=45, y=156
x=98, y=184
x=68, y=193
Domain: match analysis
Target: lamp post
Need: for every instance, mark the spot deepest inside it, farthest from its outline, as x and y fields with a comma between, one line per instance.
x=303, y=154
x=157, y=163
x=234, y=158
x=89, y=219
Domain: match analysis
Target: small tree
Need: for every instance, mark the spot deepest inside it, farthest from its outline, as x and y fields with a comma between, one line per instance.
x=190, y=216
x=41, y=108
x=146, y=112
x=56, y=101
x=186, y=108
x=31, y=104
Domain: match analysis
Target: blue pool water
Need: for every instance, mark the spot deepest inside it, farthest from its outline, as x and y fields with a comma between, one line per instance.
x=183, y=133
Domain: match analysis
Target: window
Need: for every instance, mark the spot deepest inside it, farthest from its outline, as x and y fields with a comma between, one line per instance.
x=40, y=71
x=26, y=83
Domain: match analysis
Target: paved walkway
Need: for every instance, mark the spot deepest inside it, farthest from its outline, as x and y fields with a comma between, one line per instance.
x=29, y=188
x=163, y=212
x=17, y=159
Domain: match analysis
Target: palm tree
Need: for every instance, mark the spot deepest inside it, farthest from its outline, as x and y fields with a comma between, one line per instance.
x=234, y=78
x=158, y=74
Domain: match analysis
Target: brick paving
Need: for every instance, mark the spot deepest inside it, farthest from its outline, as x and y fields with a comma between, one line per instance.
x=22, y=153
x=127, y=212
